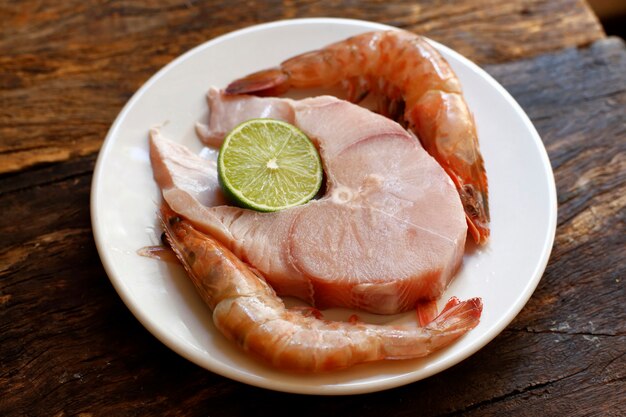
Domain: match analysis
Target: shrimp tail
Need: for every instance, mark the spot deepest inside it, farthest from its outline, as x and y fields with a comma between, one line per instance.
x=458, y=315
x=455, y=320
x=269, y=82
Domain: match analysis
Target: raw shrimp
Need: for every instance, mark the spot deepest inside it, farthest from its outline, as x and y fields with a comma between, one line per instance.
x=413, y=84
x=248, y=312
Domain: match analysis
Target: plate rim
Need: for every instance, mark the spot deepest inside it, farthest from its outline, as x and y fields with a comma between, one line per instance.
x=363, y=387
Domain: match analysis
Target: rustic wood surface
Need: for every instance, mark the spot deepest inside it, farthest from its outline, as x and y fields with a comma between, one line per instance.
x=68, y=345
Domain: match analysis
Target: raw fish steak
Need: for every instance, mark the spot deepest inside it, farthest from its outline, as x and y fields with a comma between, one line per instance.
x=388, y=232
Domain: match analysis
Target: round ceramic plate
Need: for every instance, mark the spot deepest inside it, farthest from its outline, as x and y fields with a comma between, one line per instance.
x=125, y=199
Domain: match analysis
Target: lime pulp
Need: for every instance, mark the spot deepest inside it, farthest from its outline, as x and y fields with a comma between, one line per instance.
x=269, y=165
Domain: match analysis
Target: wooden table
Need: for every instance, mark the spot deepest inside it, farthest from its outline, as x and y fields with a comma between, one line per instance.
x=69, y=346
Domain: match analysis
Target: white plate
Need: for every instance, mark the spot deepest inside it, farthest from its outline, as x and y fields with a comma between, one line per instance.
x=125, y=199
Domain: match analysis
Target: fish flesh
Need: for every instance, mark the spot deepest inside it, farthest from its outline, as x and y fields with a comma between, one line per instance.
x=388, y=232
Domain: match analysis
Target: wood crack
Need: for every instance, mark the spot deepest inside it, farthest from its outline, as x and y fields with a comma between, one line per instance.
x=47, y=174
x=517, y=392
x=588, y=197
x=564, y=332
x=609, y=363
x=77, y=175
x=24, y=149
x=14, y=255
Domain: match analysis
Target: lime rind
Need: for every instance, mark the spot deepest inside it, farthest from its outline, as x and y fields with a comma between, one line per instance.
x=269, y=165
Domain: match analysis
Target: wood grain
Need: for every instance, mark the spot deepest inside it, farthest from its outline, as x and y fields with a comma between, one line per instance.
x=65, y=334
x=68, y=345
x=67, y=68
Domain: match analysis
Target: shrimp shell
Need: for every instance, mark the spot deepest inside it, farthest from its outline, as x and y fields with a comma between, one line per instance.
x=413, y=84
x=248, y=312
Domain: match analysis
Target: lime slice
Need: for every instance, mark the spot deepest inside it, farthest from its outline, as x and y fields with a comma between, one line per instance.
x=269, y=165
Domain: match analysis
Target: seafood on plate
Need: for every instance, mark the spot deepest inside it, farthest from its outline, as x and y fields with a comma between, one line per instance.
x=413, y=84
x=388, y=233
x=248, y=312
